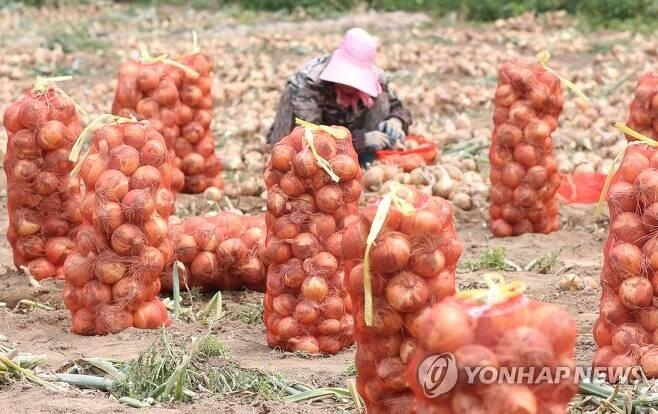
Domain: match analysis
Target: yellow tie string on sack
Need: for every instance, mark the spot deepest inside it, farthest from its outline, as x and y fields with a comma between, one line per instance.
x=146, y=57
x=498, y=291
x=337, y=133
x=43, y=83
x=83, y=143
x=641, y=139
x=543, y=57
x=377, y=224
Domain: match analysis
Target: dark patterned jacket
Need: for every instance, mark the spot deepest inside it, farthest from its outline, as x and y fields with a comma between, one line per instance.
x=308, y=97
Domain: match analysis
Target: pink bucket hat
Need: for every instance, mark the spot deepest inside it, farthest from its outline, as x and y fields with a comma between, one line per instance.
x=353, y=63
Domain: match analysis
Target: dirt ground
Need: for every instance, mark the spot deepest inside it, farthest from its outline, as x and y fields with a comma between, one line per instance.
x=442, y=69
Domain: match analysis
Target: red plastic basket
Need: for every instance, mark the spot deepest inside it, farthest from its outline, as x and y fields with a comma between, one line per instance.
x=584, y=188
x=424, y=154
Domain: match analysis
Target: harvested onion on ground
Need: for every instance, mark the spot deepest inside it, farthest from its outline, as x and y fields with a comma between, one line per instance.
x=524, y=174
x=306, y=306
x=411, y=266
x=43, y=201
x=113, y=275
x=178, y=104
x=499, y=328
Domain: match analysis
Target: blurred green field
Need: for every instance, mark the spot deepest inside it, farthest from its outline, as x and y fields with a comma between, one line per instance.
x=630, y=14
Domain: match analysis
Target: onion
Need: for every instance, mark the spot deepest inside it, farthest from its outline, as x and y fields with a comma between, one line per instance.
x=154, y=153
x=525, y=347
x=71, y=297
x=307, y=344
x=304, y=164
x=315, y=288
x=496, y=321
x=230, y=251
x=276, y=202
x=390, y=253
x=558, y=326
x=41, y=268
x=284, y=304
x=108, y=216
x=648, y=318
x=146, y=176
x=306, y=312
x=332, y=307
x=84, y=322
x=186, y=248
x=323, y=264
x=124, y=158
x=27, y=223
x=112, y=135
x=46, y=183
x=385, y=320
x=112, y=321
x=649, y=363
x=634, y=164
x=51, y=135
x=329, y=327
x=305, y=245
x=612, y=309
x=78, y=268
x=629, y=228
x=330, y=344
x=272, y=178
x=287, y=328
x=291, y=185
x=96, y=293
x=278, y=251
x=205, y=266
x=133, y=135
x=282, y=157
x=512, y=175
x=407, y=292
x=150, y=315
x=155, y=230
x=351, y=190
x=128, y=239
x=473, y=356
x=392, y=372
x=111, y=185
x=622, y=197
x=325, y=145
x=30, y=247
x=284, y=228
x=329, y=198
x=129, y=291
x=603, y=356
x=625, y=260
x=305, y=203
x=629, y=334
x=90, y=239
x=345, y=167
x=109, y=268
x=138, y=206
x=636, y=292
x=57, y=249
x=164, y=202
x=511, y=398
x=427, y=264
x=333, y=244
x=57, y=161
x=321, y=226
x=422, y=223
x=252, y=272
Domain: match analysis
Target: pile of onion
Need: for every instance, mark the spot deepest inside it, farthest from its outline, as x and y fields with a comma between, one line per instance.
x=113, y=275
x=43, y=200
x=628, y=323
x=643, y=114
x=412, y=266
x=514, y=333
x=178, y=104
x=220, y=252
x=524, y=174
x=306, y=306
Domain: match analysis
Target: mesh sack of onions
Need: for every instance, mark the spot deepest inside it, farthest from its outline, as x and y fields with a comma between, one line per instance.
x=113, y=276
x=313, y=183
x=626, y=332
x=42, y=199
x=401, y=255
x=643, y=116
x=175, y=96
x=502, y=331
x=220, y=252
x=524, y=173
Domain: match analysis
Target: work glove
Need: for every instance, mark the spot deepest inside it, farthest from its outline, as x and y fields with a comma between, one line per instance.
x=376, y=140
x=393, y=128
